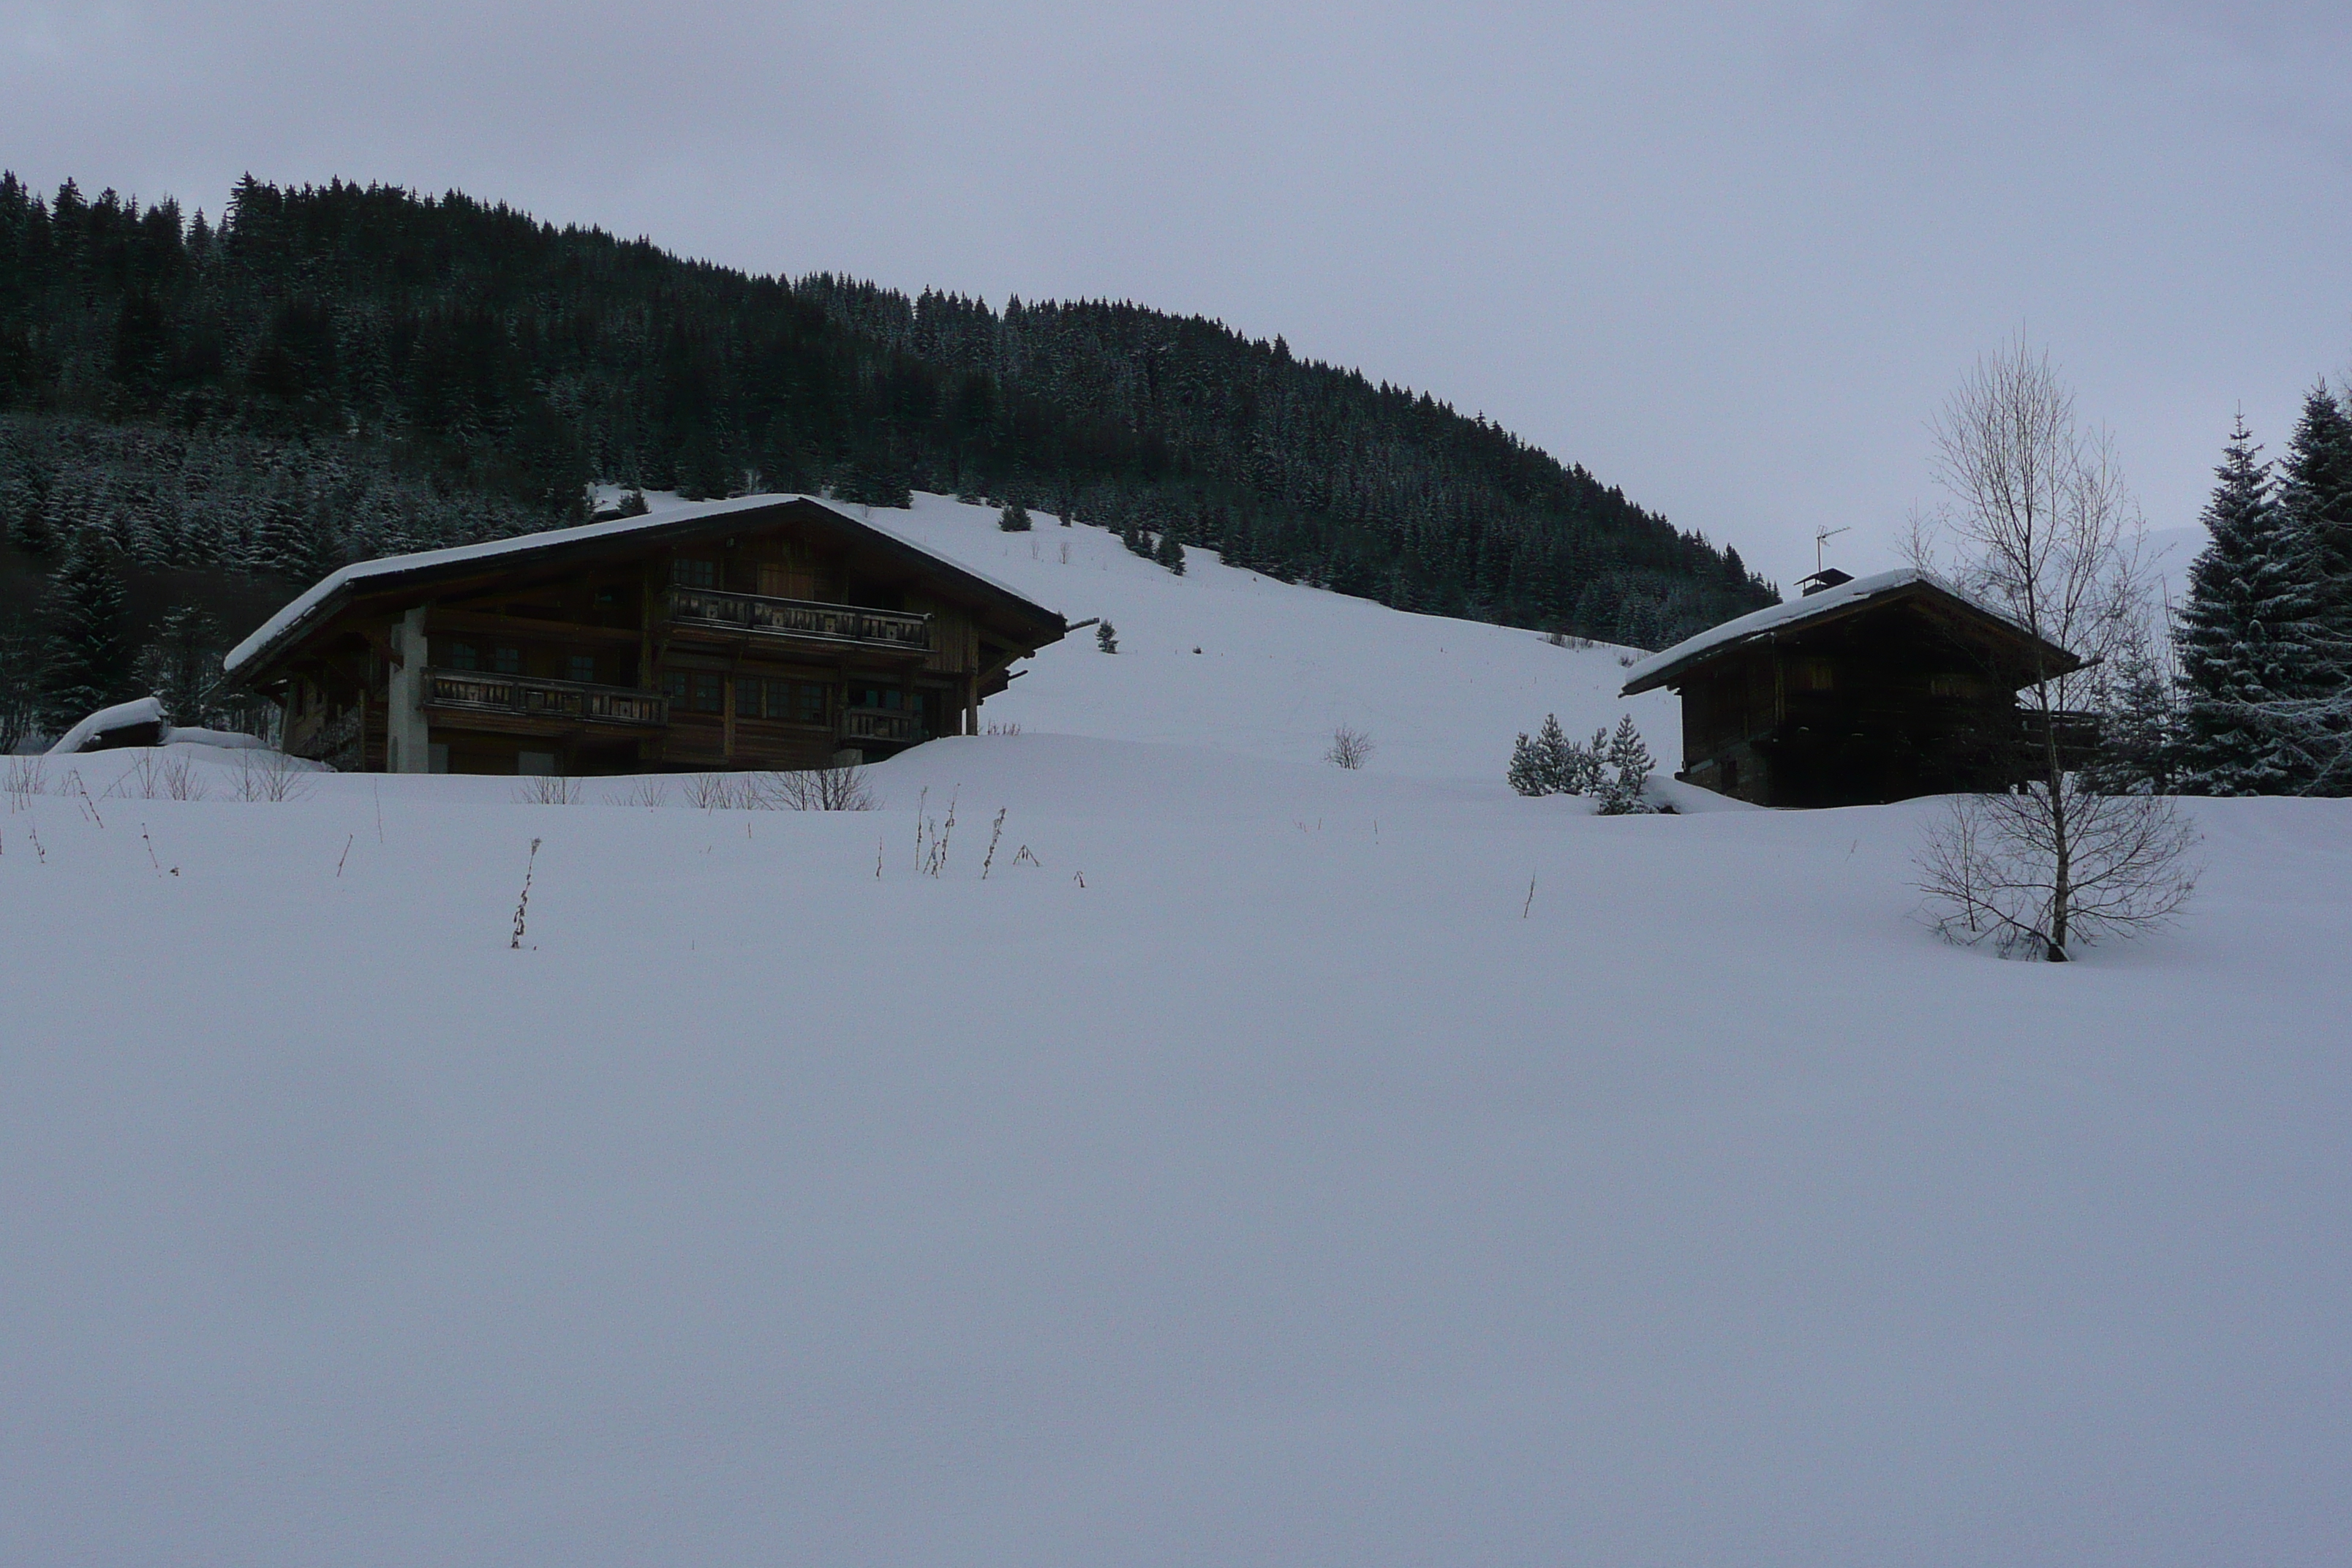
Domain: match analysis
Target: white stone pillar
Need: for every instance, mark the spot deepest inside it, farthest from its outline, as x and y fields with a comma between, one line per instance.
x=408, y=748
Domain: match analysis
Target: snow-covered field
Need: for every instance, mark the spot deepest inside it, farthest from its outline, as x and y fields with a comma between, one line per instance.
x=1261, y=1177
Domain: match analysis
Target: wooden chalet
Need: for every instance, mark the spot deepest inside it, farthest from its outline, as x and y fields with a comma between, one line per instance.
x=763, y=632
x=1863, y=690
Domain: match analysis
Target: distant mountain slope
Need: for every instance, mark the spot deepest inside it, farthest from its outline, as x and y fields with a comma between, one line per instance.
x=342, y=370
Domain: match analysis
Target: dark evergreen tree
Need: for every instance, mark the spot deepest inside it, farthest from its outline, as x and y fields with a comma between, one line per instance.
x=22, y=651
x=1013, y=518
x=182, y=665
x=2246, y=639
x=87, y=665
x=1107, y=638
x=1169, y=552
x=2315, y=493
x=2140, y=729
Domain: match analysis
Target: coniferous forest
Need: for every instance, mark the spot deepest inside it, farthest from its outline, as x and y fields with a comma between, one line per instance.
x=197, y=416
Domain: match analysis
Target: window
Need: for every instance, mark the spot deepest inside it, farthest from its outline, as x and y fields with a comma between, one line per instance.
x=580, y=667
x=876, y=697
x=608, y=597
x=463, y=657
x=709, y=694
x=507, y=660
x=784, y=701
x=674, y=688
x=687, y=574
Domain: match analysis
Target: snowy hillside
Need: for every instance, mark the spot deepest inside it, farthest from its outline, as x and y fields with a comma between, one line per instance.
x=1274, y=1165
x=1277, y=665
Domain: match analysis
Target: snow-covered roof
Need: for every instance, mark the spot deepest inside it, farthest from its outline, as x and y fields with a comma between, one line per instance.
x=122, y=716
x=359, y=575
x=1660, y=667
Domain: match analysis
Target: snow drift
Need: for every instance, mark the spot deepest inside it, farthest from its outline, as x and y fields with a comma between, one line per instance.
x=1276, y=1165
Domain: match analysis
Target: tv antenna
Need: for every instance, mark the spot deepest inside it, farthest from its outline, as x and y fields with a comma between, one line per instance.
x=1822, y=536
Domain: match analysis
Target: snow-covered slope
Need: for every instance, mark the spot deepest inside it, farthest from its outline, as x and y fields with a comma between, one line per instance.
x=1239, y=662
x=1274, y=1165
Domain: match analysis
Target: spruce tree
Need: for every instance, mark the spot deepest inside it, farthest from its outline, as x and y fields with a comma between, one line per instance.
x=1629, y=769
x=2315, y=490
x=23, y=651
x=1170, y=554
x=1015, y=518
x=2246, y=639
x=1107, y=638
x=182, y=665
x=86, y=664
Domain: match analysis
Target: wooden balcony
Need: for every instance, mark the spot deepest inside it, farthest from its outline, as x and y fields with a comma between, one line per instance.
x=560, y=701
x=879, y=724
x=800, y=619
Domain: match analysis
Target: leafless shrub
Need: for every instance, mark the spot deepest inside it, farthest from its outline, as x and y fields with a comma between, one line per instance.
x=2046, y=531
x=548, y=789
x=181, y=780
x=645, y=792
x=23, y=778
x=271, y=776
x=718, y=792
x=1351, y=748
x=140, y=781
x=824, y=789
x=1991, y=875
x=1015, y=728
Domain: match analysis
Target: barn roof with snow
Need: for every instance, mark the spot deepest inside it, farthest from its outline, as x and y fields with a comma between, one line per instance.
x=1851, y=597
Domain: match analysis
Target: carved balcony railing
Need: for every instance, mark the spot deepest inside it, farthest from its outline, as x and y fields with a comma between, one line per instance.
x=879, y=724
x=521, y=697
x=800, y=619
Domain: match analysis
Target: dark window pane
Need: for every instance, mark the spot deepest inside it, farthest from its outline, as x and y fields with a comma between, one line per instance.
x=462, y=657
x=580, y=667
x=709, y=697
x=507, y=660
x=674, y=686
x=812, y=704
x=695, y=573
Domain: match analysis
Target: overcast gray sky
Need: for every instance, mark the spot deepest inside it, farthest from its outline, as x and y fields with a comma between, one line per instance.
x=1728, y=257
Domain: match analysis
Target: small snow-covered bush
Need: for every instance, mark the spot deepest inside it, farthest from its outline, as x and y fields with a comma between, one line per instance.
x=1015, y=518
x=1107, y=638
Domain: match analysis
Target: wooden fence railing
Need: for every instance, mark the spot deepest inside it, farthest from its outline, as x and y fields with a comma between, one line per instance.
x=524, y=697
x=800, y=619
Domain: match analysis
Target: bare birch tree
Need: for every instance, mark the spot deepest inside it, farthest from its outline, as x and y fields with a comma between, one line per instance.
x=2041, y=527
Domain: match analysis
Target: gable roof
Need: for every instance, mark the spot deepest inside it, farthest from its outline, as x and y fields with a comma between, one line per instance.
x=1846, y=598
x=426, y=568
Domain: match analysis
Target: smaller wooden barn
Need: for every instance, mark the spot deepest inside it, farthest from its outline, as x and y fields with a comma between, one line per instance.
x=1865, y=689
